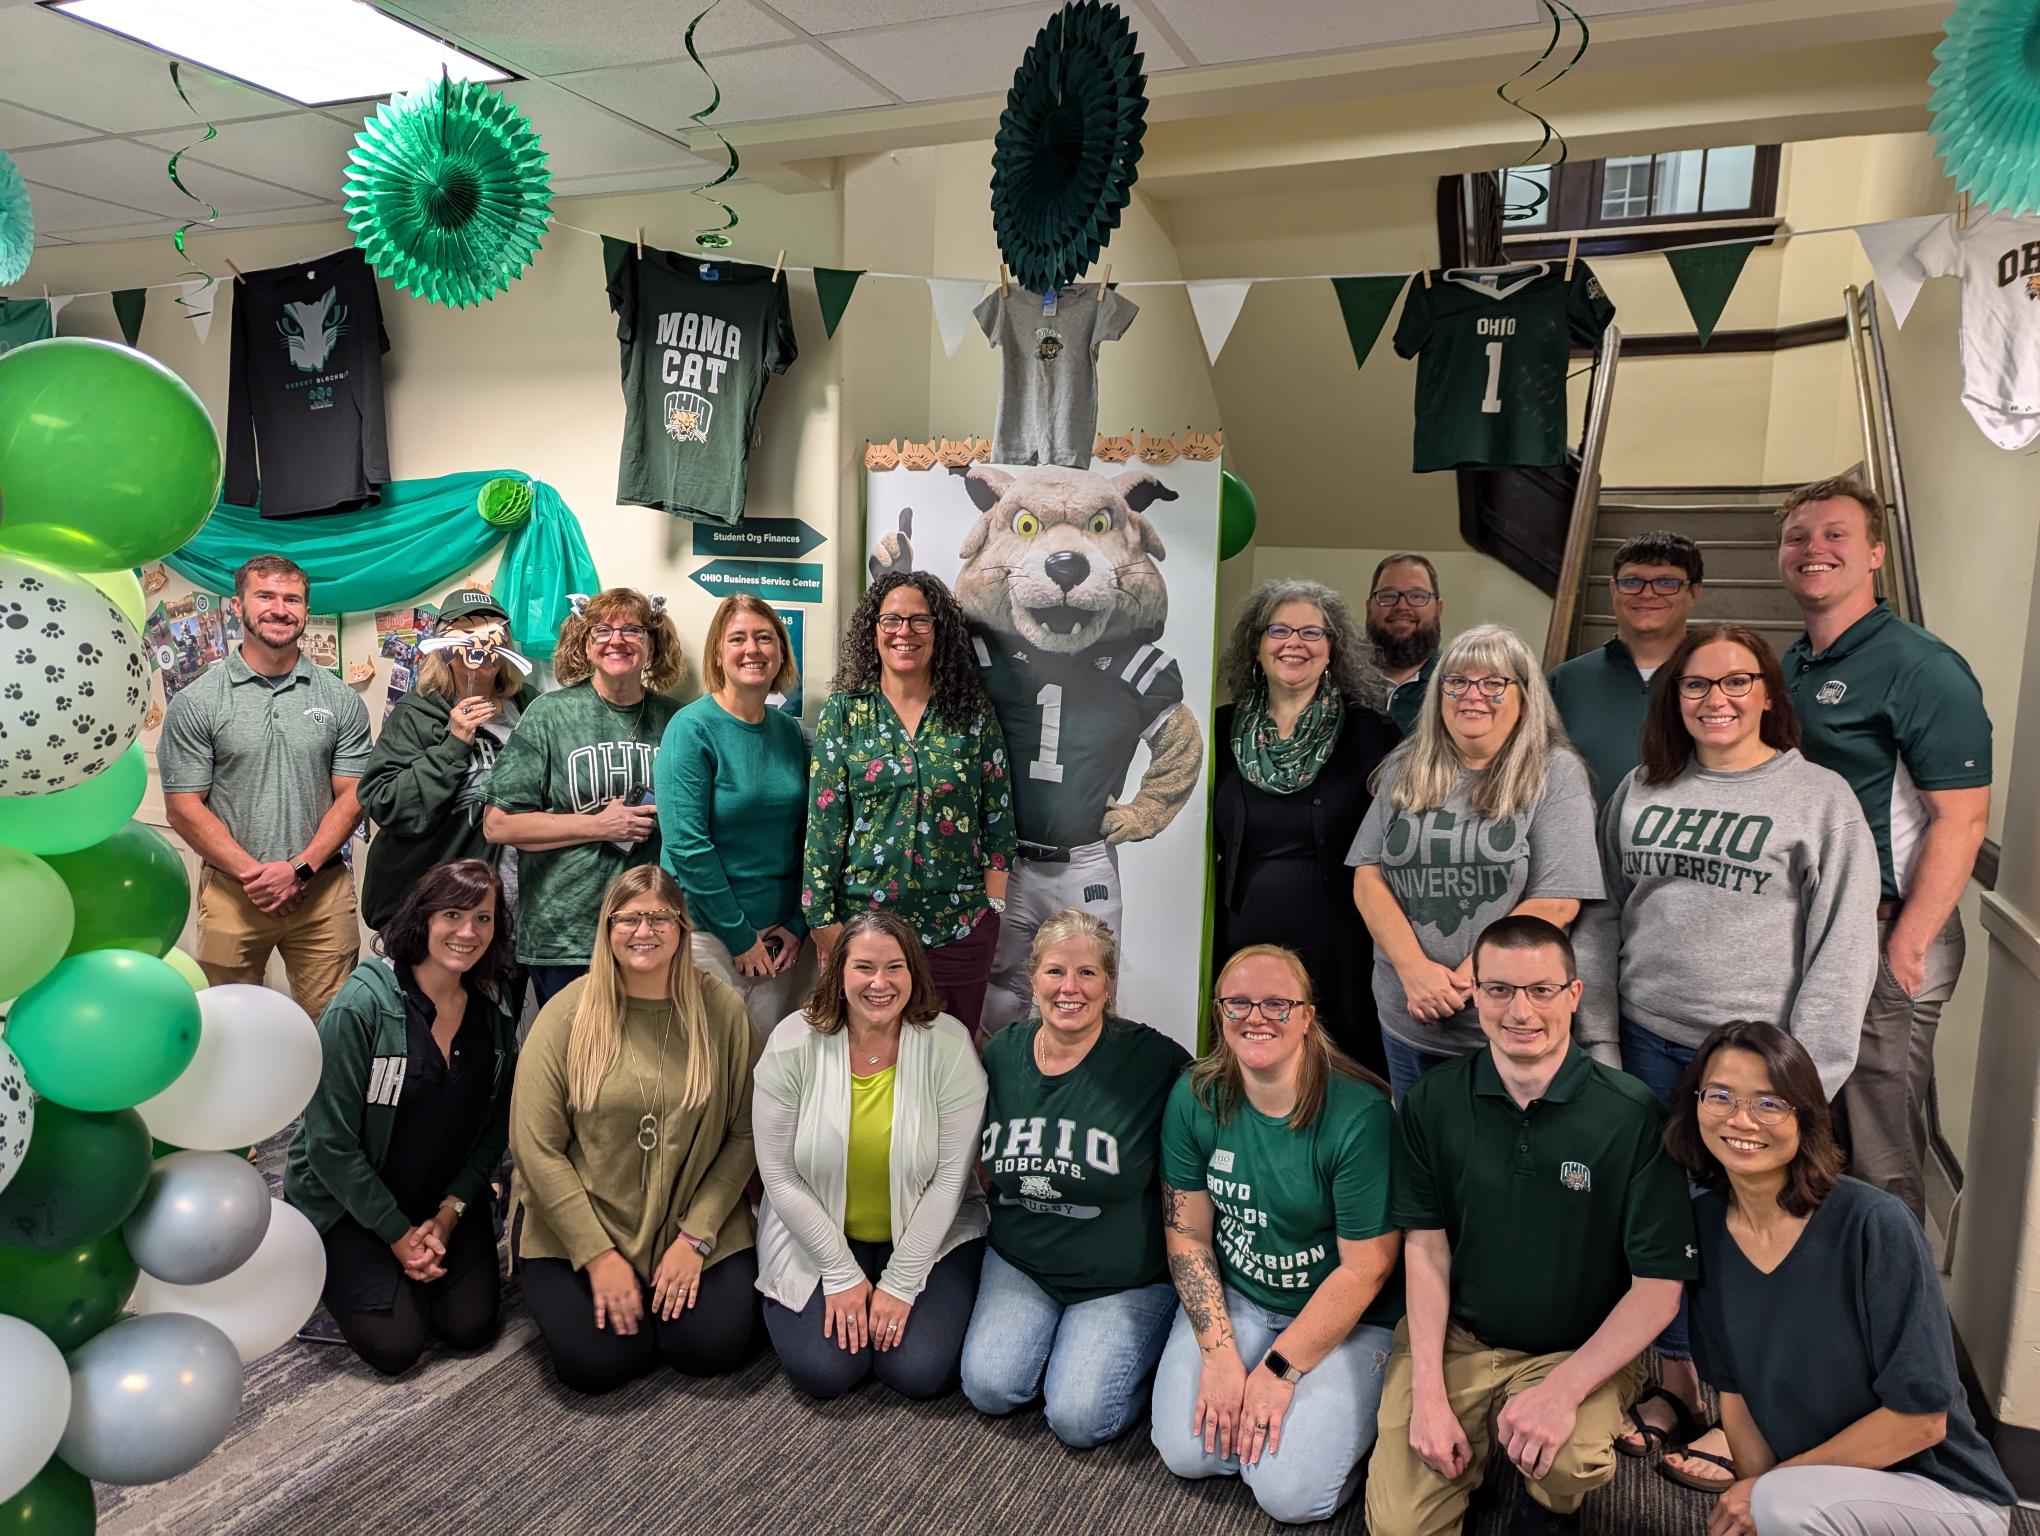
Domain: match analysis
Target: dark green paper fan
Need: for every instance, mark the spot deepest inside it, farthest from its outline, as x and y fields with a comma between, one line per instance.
x=448, y=193
x=1066, y=156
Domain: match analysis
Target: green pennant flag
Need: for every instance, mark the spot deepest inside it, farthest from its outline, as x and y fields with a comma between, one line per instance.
x=1707, y=276
x=833, y=287
x=128, y=304
x=1365, y=302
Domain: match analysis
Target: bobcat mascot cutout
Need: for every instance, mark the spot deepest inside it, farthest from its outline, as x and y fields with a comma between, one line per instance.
x=1066, y=605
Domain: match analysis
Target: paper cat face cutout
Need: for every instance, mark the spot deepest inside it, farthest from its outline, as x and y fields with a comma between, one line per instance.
x=956, y=455
x=1202, y=446
x=478, y=648
x=1157, y=450
x=1113, y=450
x=918, y=455
x=882, y=455
x=981, y=451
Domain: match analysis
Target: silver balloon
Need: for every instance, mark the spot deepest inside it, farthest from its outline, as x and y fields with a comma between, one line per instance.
x=203, y=1215
x=151, y=1398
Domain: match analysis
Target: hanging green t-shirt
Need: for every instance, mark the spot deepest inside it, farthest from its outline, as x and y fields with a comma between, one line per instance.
x=23, y=321
x=698, y=338
x=1073, y=1159
x=1284, y=1197
x=573, y=751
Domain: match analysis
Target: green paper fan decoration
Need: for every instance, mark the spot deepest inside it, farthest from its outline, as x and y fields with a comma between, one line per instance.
x=1064, y=162
x=17, y=223
x=448, y=193
x=504, y=502
x=1986, y=102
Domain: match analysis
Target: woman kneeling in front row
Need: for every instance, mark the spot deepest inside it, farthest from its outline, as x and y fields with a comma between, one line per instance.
x=631, y=1130
x=1275, y=1152
x=1075, y=1302
x=871, y=1232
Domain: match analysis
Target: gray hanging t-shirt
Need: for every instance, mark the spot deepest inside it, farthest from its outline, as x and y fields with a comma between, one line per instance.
x=1454, y=872
x=1048, y=382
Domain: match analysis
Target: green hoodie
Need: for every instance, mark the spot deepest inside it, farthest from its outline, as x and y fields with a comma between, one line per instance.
x=422, y=787
x=336, y=1157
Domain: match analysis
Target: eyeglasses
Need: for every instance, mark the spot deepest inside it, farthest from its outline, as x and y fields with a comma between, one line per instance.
x=919, y=623
x=1310, y=634
x=1664, y=586
x=602, y=634
x=661, y=921
x=1275, y=1010
x=1502, y=993
x=1735, y=686
x=1491, y=688
x=1764, y=1108
x=1388, y=597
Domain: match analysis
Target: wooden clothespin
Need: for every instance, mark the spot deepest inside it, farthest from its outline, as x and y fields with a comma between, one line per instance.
x=1572, y=254
x=239, y=277
x=1962, y=212
x=1105, y=282
x=778, y=264
x=640, y=242
x=1426, y=274
x=1005, y=287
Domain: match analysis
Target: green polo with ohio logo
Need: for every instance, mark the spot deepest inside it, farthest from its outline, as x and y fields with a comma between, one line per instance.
x=1550, y=1208
x=1894, y=710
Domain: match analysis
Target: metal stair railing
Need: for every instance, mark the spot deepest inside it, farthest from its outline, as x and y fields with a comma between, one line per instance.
x=1566, y=602
x=1881, y=459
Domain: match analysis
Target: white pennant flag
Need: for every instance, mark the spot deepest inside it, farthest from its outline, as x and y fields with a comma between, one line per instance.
x=57, y=301
x=1216, y=303
x=954, y=298
x=200, y=315
x=1886, y=245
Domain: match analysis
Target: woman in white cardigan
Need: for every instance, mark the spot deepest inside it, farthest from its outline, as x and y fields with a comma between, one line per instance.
x=866, y=1115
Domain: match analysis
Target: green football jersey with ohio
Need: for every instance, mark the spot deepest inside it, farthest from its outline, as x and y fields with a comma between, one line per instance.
x=1492, y=349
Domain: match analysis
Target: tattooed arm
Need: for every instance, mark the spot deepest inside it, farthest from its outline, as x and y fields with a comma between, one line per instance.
x=1187, y=1218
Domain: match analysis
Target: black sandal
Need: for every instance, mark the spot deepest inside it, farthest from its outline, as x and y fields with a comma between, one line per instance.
x=1685, y=1427
x=1687, y=1479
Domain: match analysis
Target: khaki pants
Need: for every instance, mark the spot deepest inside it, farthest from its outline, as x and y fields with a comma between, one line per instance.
x=1406, y=1498
x=767, y=999
x=319, y=938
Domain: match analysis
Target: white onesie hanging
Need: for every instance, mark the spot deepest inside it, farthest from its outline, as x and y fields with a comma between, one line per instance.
x=1998, y=260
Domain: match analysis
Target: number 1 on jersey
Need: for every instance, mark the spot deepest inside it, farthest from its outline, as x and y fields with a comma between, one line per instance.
x=1045, y=766
x=1491, y=403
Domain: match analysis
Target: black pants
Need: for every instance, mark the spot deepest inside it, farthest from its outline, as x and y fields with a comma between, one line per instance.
x=387, y=1318
x=925, y=1361
x=718, y=1334
x=549, y=979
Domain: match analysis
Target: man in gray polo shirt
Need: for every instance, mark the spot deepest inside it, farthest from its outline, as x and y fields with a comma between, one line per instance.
x=259, y=759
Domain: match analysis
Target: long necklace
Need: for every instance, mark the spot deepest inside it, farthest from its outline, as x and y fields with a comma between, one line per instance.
x=649, y=1121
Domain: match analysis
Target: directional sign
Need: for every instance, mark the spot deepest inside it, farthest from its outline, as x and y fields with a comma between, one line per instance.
x=796, y=631
x=759, y=538
x=773, y=580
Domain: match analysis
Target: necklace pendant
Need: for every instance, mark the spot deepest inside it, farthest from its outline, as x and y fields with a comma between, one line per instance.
x=648, y=1133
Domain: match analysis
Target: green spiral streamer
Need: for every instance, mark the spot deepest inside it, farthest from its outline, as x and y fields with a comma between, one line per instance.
x=191, y=267
x=1514, y=212
x=712, y=237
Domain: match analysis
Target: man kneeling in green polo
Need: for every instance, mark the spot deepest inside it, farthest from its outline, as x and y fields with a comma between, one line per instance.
x=1548, y=1237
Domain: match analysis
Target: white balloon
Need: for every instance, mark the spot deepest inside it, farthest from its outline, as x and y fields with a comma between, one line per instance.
x=264, y=1302
x=256, y=1068
x=17, y=1117
x=38, y=1402
x=77, y=686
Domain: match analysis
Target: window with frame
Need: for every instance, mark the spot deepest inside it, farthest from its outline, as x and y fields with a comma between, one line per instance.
x=1638, y=202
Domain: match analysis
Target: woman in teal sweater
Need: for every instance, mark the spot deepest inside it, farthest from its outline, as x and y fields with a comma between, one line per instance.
x=731, y=785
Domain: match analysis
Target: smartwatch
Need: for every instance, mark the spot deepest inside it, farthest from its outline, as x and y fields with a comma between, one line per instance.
x=1278, y=1362
x=701, y=1245
x=303, y=871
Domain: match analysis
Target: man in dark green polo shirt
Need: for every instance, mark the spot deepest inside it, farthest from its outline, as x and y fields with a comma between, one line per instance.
x=1548, y=1237
x=1404, y=615
x=1897, y=713
x=260, y=758
x=1603, y=695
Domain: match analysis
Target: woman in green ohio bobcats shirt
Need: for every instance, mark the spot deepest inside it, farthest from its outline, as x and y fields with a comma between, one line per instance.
x=1074, y=1299
x=1275, y=1152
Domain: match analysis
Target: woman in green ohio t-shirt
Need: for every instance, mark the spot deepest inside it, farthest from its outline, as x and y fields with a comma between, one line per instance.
x=1074, y=1300
x=1275, y=1152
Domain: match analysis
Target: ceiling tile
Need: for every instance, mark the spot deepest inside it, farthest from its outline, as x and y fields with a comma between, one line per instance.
x=21, y=128
x=62, y=213
x=1225, y=32
x=825, y=16
x=795, y=80
x=136, y=174
x=303, y=150
x=546, y=37
x=582, y=138
x=969, y=55
x=71, y=70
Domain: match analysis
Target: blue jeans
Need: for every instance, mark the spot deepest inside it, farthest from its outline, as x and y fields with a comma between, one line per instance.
x=1089, y=1362
x=1327, y=1431
x=549, y=979
x=1660, y=1065
x=1406, y=1064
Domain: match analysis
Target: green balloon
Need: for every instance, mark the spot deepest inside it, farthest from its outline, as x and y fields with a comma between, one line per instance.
x=70, y=1295
x=125, y=588
x=38, y=924
x=106, y=457
x=184, y=965
x=84, y=814
x=56, y=1502
x=105, y=1030
x=130, y=892
x=1237, y=514
x=83, y=1175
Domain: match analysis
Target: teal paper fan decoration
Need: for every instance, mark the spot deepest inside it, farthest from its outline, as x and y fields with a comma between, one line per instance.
x=448, y=193
x=1064, y=161
x=1986, y=102
x=17, y=223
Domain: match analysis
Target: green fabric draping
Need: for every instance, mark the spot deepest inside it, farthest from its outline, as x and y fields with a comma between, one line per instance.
x=421, y=534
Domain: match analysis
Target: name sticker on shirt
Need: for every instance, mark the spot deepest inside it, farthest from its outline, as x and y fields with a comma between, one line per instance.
x=1222, y=1160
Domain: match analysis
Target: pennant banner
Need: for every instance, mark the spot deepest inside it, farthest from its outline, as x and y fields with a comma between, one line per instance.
x=954, y=298
x=1707, y=276
x=1216, y=303
x=201, y=319
x=128, y=304
x=1887, y=246
x=57, y=302
x=833, y=286
x=1365, y=302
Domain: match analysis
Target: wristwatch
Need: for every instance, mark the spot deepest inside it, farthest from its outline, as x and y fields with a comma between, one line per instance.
x=701, y=1245
x=455, y=1204
x=303, y=871
x=1278, y=1362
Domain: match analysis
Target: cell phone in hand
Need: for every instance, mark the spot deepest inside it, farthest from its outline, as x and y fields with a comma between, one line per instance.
x=638, y=799
x=773, y=943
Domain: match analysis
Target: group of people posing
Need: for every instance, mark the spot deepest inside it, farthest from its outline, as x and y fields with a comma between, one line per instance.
x=1649, y=949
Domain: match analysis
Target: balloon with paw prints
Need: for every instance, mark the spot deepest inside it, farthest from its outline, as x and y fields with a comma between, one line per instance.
x=74, y=687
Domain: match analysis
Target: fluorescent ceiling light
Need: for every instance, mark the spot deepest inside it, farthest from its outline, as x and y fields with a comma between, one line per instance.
x=315, y=52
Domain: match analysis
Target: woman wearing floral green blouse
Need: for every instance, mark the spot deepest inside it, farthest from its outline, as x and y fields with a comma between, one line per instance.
x=909, y=803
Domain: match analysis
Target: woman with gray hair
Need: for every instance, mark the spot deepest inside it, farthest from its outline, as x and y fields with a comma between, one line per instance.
x=1484, y=812
x=1296, y=749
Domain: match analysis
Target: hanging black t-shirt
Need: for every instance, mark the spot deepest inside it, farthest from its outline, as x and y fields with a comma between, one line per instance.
x=698, y=339
x=305, y=427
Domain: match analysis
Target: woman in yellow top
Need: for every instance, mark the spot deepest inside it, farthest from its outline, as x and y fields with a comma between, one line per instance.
x=630, y=1125
x=871, y=1232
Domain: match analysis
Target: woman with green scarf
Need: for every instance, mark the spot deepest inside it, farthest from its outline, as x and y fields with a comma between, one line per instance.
x=1295, y=750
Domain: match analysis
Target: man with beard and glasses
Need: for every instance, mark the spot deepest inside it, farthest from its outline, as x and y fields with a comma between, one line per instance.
x=260, y=759
x=1404, y=611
